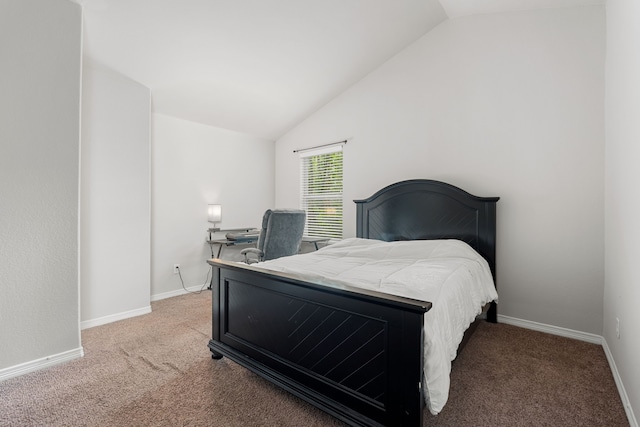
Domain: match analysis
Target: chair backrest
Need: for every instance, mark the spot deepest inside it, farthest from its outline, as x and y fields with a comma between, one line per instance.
x=281, y=233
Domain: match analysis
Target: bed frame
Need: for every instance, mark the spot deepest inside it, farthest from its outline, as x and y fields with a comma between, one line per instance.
x=353, y=353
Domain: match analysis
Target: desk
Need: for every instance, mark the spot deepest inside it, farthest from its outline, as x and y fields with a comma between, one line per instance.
x=211, y=231
x=226, y=242
x=249, y=241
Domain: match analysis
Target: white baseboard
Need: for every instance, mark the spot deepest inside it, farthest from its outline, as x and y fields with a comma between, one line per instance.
x=45, y=362
x=633, y=422
x=550, y=329
x=178, y=292
x=582, y=336
x=115, y=317
x=139, y=311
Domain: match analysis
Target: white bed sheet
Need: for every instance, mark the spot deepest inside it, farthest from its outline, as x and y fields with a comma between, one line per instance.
x=447, y=273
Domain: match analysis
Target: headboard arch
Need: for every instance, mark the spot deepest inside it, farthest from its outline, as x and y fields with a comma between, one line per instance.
x=422, y=209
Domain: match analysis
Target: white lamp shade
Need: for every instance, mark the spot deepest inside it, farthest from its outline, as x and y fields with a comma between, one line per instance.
x=215, y=213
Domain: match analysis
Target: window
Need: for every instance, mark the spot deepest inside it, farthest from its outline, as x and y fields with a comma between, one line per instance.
x=321, y=191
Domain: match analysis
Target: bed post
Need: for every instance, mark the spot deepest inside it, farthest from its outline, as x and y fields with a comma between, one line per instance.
x=488, y=251
x=215, y=309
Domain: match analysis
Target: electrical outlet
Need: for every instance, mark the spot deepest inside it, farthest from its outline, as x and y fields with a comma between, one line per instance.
x=617, y=327
x=176, y=268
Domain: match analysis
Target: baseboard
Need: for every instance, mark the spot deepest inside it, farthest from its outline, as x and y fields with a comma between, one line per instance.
x=550, y=329
x=582, y=336
x=139, y=311
x=633, y=422
x=178, y=292
x=45, y=362
x=115, y=317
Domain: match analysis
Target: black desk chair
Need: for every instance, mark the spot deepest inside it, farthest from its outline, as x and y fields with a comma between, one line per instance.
x=280, y=235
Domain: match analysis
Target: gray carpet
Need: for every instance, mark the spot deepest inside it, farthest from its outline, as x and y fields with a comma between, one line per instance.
x=156, y=370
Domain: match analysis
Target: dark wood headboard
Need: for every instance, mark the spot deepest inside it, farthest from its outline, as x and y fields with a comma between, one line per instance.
x=422, y=209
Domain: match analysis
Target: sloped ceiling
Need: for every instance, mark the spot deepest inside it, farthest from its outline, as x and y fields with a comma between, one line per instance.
x=261, y=66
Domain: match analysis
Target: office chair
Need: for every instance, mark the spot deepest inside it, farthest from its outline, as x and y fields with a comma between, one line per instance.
x=280, y=235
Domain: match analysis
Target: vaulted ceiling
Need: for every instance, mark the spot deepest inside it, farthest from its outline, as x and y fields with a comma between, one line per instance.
x=261, y=66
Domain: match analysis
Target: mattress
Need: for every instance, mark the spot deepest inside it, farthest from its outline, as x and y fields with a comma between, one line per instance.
x=448, y=273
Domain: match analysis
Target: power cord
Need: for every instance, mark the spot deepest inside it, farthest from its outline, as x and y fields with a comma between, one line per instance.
x=206, y=281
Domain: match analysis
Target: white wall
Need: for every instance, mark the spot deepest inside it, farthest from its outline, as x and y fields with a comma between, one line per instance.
x=508, y=105
x=194, y=165
x=40, y=64
x=115, y=197
x=622, y=205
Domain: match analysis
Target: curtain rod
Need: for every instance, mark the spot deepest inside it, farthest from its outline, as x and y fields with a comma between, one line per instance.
x=300, y=150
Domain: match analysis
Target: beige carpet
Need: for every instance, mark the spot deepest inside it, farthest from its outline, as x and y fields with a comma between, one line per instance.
x=156, y=370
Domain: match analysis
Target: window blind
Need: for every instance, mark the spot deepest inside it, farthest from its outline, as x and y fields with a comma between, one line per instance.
x=321, y=191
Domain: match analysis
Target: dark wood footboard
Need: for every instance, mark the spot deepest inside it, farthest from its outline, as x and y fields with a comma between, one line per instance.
x=355, y=354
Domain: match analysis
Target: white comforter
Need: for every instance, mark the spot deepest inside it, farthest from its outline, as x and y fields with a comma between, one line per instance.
x=447, y=273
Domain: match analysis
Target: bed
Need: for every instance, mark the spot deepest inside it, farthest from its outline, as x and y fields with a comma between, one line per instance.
x=356, y=352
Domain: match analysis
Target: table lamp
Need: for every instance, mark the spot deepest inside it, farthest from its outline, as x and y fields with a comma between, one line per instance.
x=215, y=215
